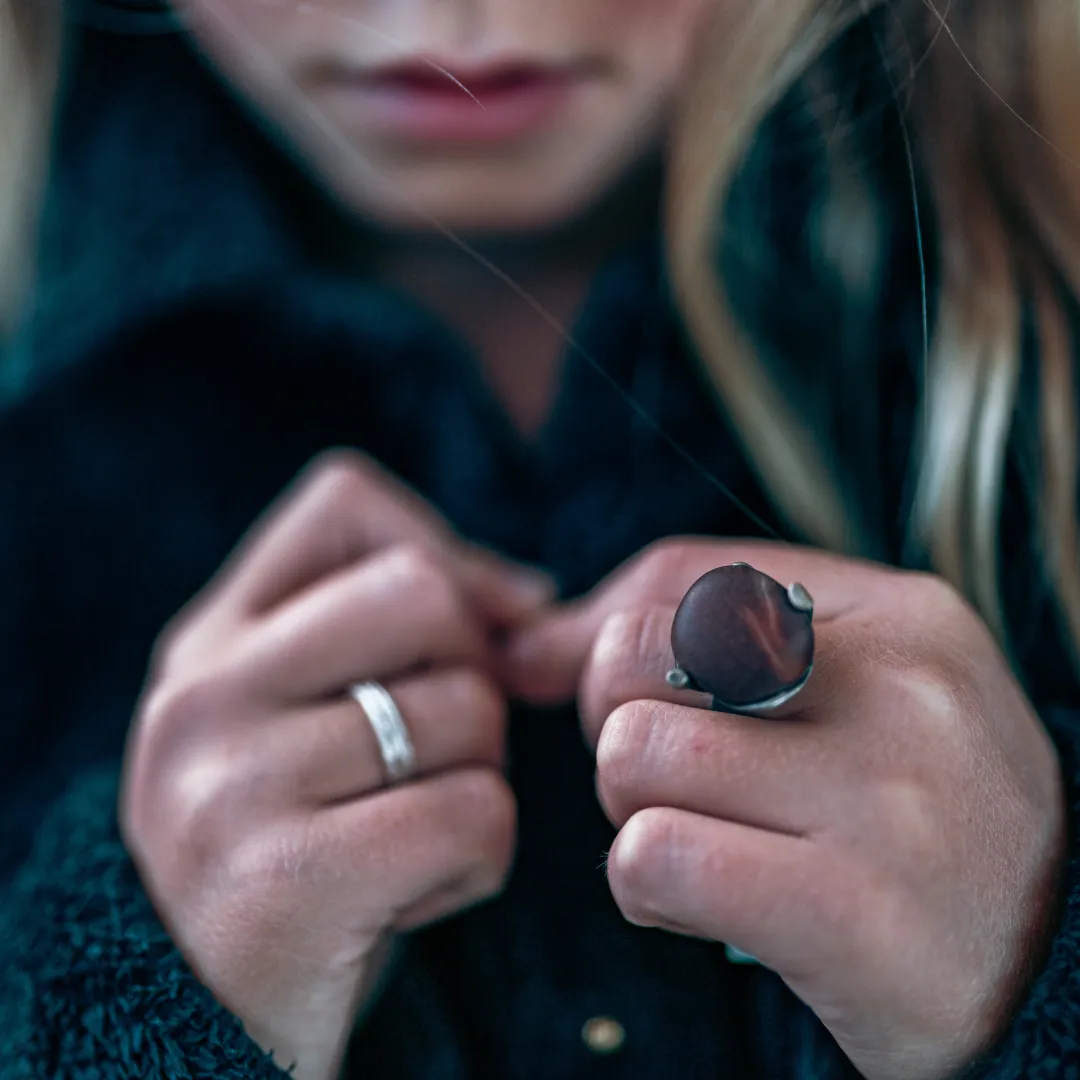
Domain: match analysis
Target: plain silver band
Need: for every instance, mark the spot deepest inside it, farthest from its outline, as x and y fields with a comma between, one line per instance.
x=386, y=721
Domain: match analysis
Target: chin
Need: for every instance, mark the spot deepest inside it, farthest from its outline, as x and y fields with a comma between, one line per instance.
x=467, y=217
x=474, y=202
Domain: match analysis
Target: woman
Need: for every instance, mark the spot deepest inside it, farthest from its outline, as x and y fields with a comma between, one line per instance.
x=820, y=260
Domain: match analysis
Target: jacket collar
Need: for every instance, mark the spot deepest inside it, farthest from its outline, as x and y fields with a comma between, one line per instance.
x=173, y=198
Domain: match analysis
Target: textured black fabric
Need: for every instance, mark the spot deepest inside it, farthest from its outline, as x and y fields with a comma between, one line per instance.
x=187, y=354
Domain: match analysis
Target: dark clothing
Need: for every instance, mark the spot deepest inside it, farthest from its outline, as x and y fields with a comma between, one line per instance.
x=187, y=354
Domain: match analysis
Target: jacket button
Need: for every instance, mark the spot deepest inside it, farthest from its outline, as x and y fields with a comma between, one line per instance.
x=603, y=1035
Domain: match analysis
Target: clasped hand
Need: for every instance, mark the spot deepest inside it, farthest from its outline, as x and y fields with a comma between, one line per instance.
x=890, y=847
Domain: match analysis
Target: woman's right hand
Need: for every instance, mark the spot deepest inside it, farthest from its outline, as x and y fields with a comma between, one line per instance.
x=254, y=799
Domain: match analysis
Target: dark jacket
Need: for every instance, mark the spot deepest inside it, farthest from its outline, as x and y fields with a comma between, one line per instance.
x=186, y=354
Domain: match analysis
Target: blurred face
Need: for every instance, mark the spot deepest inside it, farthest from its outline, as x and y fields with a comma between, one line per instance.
x=487, y=115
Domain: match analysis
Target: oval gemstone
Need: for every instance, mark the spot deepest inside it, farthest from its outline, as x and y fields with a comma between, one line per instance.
x=738, y=637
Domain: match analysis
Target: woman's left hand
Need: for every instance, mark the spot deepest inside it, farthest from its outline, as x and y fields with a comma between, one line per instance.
x=891, y=846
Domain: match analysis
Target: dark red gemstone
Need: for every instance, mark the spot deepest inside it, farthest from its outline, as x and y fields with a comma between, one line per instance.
x=738, y=636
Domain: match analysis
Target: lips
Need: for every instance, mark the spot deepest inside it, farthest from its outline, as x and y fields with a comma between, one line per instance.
x=424, y=100
x=437, y=79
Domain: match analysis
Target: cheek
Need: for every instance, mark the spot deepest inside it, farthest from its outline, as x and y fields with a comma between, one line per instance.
x=214, y=23
x=654, y=37
x=619, y=15
x=242, y=36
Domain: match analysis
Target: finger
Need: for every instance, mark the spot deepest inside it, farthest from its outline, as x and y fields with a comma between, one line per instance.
x=544, y=661
x=377, y=620
x=503, y=592
x=419, y=851
x=790, y=902
x=345, y=506
x=628, y=661
x=631, y=656
x=455, y=719
x=340, y=507
x=786, y=774
x=780, y=778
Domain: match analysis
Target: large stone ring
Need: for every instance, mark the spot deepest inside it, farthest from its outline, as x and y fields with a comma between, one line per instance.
x=743, y=638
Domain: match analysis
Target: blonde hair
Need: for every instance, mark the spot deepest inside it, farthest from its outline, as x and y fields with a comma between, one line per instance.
x=29, y=64
x=986, y=92
x=986, y=96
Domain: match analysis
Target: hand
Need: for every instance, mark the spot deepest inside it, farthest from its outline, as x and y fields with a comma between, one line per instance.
x=890, y=847
x=254, y=798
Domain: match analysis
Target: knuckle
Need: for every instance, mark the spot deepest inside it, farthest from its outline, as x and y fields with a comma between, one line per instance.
x=623, y=750
x=638, y=859
x=203, y=806
x=419, y=567
x=948, y=668
x=184, y=704
x=486, y=806
x=629, y=643
x=941, y=600
x=180, y=816
x=340, y=472
x=471, y=694
x=338, y=486
x=626, y=646
x=664, y=562
x=180, y=641
x=488, y=701
x=931, y=692
x=659, y=560
x=169, y=642
x=618, y=646
x=937, y=587
x=171, y=757
x=427, y=592
x=334, y=493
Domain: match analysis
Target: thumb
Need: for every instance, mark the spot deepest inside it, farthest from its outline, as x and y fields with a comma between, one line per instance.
x=504, y=592
x=543, y=661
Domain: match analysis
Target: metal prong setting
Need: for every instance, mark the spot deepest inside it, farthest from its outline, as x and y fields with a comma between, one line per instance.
x=740, y=564
x=759, y=708
x=678, y=679
x=799, y=598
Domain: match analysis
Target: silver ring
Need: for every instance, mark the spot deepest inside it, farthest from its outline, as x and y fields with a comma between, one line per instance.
x=680, y=680
x=386, y=721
